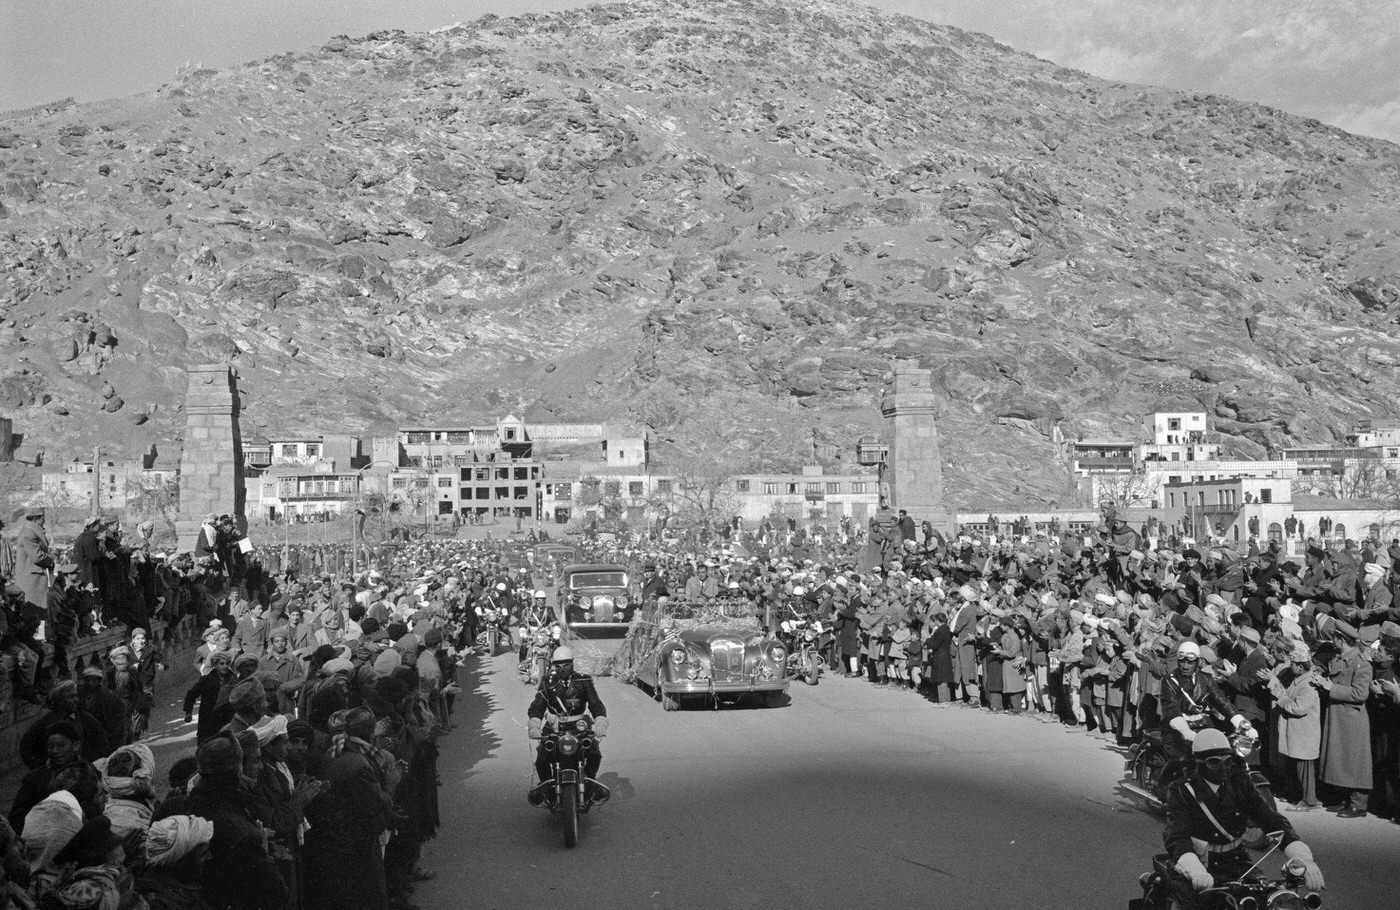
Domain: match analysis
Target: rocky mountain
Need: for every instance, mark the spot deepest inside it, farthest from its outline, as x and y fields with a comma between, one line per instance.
x=724, y=219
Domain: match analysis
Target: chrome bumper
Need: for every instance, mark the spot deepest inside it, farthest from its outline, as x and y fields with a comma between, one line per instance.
x=728, y=687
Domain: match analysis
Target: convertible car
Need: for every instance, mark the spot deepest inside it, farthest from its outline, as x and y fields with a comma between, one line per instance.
x=705, y=652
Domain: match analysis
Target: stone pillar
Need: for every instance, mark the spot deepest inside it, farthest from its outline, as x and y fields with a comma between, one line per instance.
x=7, y=439
x=914, y=468
x=211, y=466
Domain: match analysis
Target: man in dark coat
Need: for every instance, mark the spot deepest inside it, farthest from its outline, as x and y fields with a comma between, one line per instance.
x=63, y=707
x=87, y=552
x=1346, y=730
x=239, y=875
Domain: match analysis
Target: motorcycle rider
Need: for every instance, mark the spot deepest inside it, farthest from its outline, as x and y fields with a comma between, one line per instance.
x=1189, y=699
x=1208, y=813
x=567, y=696
x=536, y=616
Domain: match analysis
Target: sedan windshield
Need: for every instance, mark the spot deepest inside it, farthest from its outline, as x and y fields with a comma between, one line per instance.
x=598, y=580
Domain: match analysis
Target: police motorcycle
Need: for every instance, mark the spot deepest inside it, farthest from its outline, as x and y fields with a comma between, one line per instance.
x=1248, y=892
x=802, y=635
x=569, y=793
x=493, y=616
x=540, y=634
x=1151, y=769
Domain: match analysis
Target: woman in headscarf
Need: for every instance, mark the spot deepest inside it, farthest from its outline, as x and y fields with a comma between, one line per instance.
x=127, y=776
x=176, y=851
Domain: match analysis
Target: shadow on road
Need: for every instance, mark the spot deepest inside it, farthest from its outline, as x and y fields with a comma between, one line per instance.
x=472, y=738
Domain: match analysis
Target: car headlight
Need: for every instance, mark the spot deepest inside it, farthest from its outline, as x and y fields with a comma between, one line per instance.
x=777, y=652
x=692, y=673
x=585, y=602
x=678, y=656
x=622, y=600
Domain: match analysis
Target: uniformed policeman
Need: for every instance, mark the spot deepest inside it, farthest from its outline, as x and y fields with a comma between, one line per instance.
x=1191, y=700
x=567, y=696
x=1208, y=813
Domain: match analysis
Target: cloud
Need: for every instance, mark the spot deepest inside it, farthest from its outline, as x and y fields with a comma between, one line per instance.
x=1329, y=60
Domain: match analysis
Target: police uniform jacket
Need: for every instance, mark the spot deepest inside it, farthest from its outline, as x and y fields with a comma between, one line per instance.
x=568, y=698
x=1197, y=696
x=1235, y=804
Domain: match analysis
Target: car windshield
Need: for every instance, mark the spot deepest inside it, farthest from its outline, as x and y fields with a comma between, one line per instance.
x=598, y=580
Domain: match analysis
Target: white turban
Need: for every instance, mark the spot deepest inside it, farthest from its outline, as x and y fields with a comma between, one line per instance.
x=171, y=839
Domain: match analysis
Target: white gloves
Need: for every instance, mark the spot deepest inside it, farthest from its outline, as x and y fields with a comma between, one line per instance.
x=1190, y=865
x=1312, y=875
x=600, y=726
x=1239, y=723
x=1180, y=725
x=536, y=727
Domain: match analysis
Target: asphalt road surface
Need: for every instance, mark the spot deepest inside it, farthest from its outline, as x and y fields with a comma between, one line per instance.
x=848, y=797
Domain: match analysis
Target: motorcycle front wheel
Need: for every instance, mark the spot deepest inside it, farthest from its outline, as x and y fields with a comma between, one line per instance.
x=492, y=638
x=568, y=807
x=811, y=668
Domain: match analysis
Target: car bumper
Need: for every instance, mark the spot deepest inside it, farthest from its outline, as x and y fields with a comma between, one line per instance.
x=727, y=687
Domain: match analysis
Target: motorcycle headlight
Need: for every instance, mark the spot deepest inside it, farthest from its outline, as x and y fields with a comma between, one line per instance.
x=568, y=744
x=777, y=652
x=541, y=637
x=809, y=635
x=581, y=725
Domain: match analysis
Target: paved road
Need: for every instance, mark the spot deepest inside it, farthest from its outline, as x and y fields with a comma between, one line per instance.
x=850, y=797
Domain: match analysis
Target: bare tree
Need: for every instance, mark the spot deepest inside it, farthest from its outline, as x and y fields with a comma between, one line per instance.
x=156, y=498
x=1121, y=491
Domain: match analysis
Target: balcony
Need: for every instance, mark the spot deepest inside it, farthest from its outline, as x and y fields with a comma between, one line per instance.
x=1104, y=464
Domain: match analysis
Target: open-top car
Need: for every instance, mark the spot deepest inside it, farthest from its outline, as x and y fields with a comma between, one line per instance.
x=596, y=597
x=715, y=651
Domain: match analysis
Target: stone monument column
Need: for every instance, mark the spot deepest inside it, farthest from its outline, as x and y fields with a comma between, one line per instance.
x=211, y=466
x=914, y=468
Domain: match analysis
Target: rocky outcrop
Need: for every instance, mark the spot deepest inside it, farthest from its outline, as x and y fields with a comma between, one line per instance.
x=721, y=214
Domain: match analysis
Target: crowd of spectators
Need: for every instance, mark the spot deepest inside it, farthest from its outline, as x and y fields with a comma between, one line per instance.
x=311, y=781
x=1082, y=630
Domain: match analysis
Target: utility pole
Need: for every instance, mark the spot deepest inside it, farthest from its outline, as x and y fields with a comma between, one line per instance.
x=96, y=481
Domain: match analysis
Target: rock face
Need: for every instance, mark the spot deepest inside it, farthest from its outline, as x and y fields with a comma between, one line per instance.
x=731, y=216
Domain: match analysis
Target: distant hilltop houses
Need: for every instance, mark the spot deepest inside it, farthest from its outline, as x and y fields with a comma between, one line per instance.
x=1176, y=472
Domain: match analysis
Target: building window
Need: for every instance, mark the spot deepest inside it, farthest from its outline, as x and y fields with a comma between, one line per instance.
x=503, y=473
x=483, y=493
x=1266, y=495
x=483, y=473
x=858, y=487
x=1174, y=478
x=1276, y=531
x=636, y=488
x=510, y=434
x=522, y=473
x=663, y=486
x=318, y=486
x=563, y=491
x=399, y=482
x=1173, y=423
x=770, y=488
x=445, y=482
x=503, y=492
x=833, y=488
x=522, y=492
x=814, y=488
x=289, y=450
x=313, y=450
x=1201, y=497
x=741, y=486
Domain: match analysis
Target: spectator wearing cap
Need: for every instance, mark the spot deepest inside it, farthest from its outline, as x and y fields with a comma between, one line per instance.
x=61, y=626
x=248, y=699
x=1376, y=604
x=1298, y=728
x=286, y=666
x=33, y=559
x=206, y=691
x=240, y=874
x=1346, y=730
x=63, y=706
x=1244, y=680
x=251, y=635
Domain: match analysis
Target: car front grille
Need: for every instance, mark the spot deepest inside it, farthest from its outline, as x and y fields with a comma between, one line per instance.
x=727, y=658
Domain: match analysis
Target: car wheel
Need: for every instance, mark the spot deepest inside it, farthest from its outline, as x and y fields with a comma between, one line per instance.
x=669, y=702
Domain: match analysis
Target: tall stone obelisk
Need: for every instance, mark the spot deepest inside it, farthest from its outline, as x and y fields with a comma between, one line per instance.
x=211, y=466
x=914, y=466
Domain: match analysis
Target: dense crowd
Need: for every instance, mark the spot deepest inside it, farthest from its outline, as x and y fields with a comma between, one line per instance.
x=312, y=778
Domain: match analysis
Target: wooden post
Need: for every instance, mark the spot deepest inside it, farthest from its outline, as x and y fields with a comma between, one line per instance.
x=96, y=481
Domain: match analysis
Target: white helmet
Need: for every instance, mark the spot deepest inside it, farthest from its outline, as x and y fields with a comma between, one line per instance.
x=799, y=591
x=540, y=595
x=500, y=586
x=562, y=654
x=1188, y=649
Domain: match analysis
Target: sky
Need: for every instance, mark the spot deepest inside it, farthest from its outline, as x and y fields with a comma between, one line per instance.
x=1331, y=60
